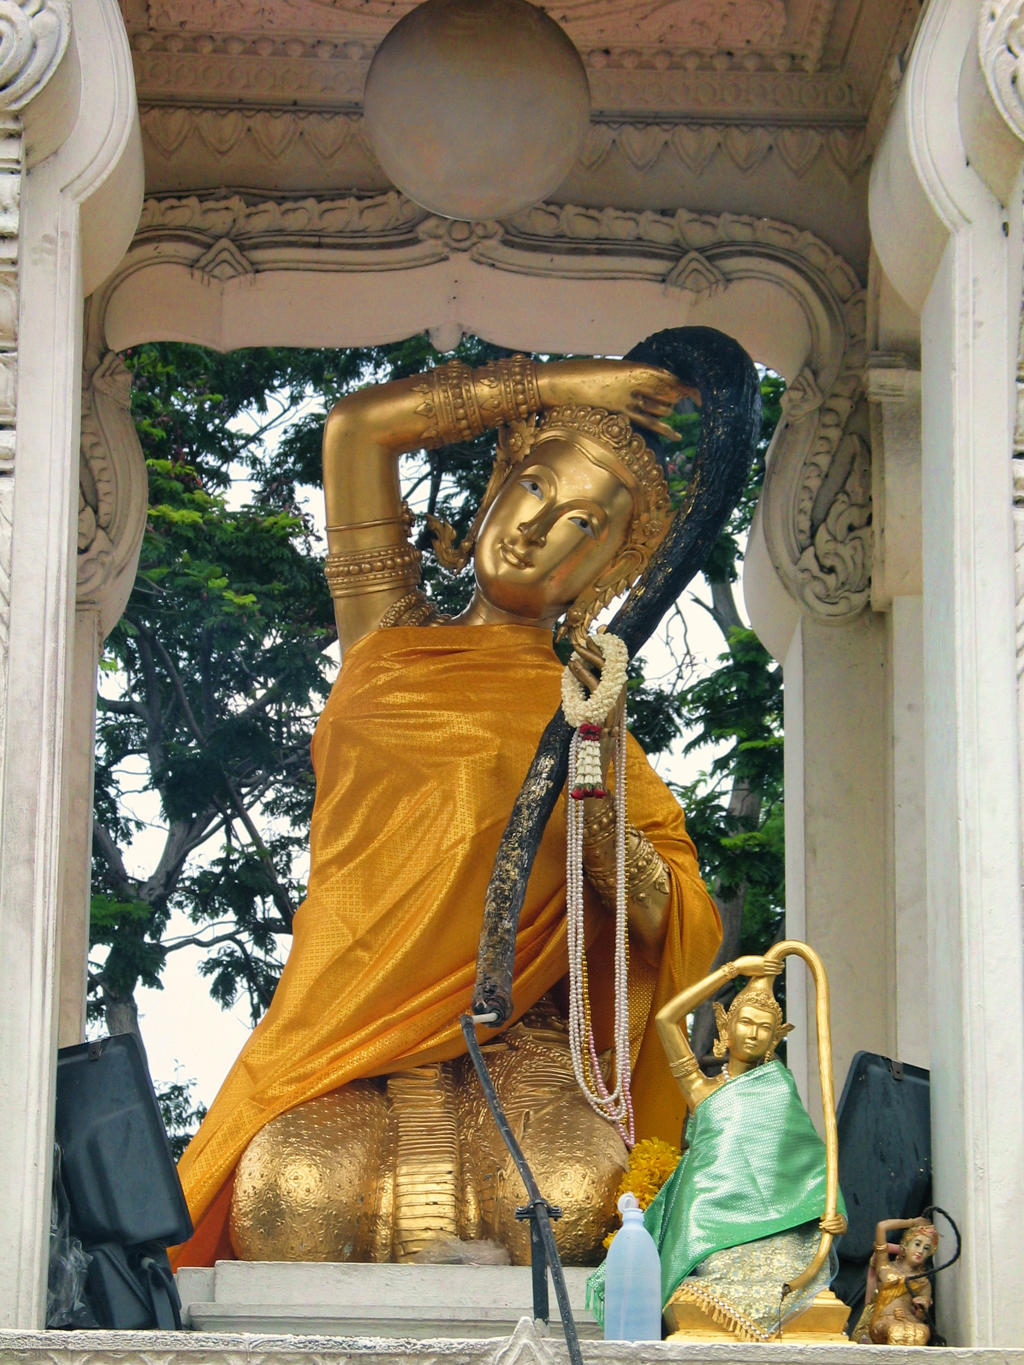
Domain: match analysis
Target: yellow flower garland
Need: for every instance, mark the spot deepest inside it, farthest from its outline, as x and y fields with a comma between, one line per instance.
x=651, y=1162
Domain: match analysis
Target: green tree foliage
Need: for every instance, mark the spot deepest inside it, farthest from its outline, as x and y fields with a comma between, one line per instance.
x=214, y=677
x=181, y=1114
x=220, y=666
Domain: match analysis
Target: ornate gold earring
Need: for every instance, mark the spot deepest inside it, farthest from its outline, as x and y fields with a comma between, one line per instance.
x=720, y=1046
x=780, y=1033
x=616, y=578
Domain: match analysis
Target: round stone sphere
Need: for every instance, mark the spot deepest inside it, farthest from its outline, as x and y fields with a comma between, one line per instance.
x=476, y=108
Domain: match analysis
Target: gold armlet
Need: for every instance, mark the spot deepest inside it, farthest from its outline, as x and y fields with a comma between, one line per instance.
x=460, y=402
x=404, y=519
x=683, y=1067
x=507, y=390
x=357, y=571
x=645, y=868
x=884, y=1247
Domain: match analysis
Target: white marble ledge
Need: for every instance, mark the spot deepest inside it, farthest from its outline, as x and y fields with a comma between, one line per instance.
x=527, y=1345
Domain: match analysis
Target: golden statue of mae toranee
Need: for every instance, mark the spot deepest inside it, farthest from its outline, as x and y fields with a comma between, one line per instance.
x=347, y=1130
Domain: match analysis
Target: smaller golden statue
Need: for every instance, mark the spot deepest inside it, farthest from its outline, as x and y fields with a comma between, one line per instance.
x=899, y=1292
x=745, y=1223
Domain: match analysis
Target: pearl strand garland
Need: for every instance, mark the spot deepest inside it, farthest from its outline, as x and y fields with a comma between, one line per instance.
x=585, y=713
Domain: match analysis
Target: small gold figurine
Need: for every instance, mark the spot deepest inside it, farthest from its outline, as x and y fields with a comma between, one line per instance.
x=899, y=1293
x=744, y=1225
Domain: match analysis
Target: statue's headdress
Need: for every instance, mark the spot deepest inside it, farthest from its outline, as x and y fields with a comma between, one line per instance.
x=928, y=1230
x=758, y=993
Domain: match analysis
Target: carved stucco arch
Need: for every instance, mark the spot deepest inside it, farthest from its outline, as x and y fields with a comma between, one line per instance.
x=230, y=271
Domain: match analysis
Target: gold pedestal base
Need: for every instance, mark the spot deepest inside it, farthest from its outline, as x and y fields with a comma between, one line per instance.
x=822, y=1320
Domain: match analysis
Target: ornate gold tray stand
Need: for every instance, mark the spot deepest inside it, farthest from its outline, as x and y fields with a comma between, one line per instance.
x=822, y=1320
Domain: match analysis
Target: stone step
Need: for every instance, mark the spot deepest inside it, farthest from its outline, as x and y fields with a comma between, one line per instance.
x=351, y=1300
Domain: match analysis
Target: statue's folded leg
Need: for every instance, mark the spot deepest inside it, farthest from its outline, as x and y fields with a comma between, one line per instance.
x=369, y=1172
x=577, y=1157
x=311, y=1185
x=406, y=1167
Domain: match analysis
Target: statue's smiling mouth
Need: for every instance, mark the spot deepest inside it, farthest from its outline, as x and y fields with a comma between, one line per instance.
x=513, y=557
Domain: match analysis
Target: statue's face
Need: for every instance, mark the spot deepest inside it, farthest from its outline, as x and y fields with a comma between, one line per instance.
x=751, y=1034
x=917, y=1249
x=559, y=520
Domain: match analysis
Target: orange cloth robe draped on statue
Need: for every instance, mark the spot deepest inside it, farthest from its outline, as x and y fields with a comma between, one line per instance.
x=419, y=753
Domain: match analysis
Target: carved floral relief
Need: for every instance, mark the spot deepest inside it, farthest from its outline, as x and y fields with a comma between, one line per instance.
x=696, y=23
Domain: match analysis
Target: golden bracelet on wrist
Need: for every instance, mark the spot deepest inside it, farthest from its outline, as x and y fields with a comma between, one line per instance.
x=597, y=828
x=356, y=571
x=414, y=608
x=460, y=402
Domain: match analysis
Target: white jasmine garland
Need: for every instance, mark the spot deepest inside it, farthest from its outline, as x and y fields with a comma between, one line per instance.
x=579, y=707
x=585, y=778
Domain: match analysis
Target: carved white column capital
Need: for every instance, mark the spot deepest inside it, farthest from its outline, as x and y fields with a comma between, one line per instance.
x=1001, y=52
x=112, y=492
x=33, y=38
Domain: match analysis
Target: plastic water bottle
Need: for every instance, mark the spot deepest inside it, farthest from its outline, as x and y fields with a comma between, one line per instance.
x=632, y=1289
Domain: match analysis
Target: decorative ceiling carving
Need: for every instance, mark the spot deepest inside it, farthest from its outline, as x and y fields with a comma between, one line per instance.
x=177, y=135
x=310, y=71
x=702, y=25
x=35, y=34
x=763, y=106
x=802, y=58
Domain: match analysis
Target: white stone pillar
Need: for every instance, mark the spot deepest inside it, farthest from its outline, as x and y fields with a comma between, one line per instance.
x=76, y=828
x=908, y=912
x=67, y=97
x=836, y=863
x=943, y=174
x=112, y=505
x=893, y=388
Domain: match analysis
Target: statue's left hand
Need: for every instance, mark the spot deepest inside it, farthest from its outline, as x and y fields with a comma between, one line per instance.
x=646, y=394
x=836, y=1225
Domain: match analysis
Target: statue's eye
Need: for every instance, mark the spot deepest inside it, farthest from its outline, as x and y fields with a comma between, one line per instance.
x=532, y=487
x=584, y=524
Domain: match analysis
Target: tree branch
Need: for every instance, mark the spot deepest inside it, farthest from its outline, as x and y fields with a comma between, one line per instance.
x=110, y=853
x=119, y=707
x=278, y=892
x=723, y=607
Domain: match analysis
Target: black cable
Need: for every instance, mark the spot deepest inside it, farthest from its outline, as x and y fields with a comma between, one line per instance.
x=537, y=1209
